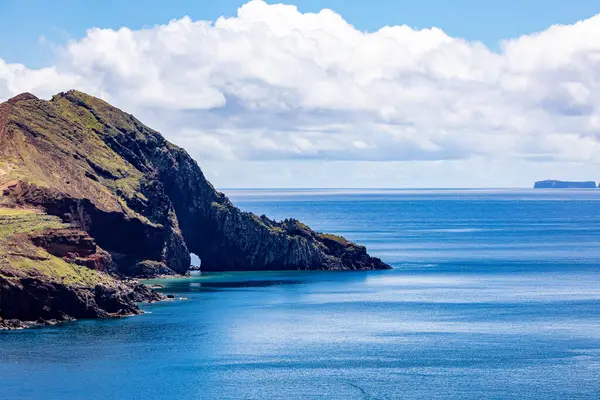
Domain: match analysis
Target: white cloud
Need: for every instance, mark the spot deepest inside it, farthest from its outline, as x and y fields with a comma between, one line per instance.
x=275, y=84
x=16, y=78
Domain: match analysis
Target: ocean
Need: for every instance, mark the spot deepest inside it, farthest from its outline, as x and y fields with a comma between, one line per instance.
x=495, y=294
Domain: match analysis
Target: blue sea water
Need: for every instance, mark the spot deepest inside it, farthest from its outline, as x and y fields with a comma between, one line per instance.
x=495, y=295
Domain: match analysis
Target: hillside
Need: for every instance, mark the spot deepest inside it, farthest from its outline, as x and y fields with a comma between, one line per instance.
x=81, y=170
x=50, y=271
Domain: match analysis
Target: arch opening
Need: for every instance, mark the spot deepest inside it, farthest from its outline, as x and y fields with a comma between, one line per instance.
x=195, y=262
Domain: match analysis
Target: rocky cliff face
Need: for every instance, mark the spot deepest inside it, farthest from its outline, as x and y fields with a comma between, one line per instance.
x=143, y=199
x=34, y=300
x=89, y=195
x=50, y=271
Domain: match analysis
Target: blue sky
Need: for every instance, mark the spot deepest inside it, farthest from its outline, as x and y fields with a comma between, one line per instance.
x=23, y=22
x=382, y=93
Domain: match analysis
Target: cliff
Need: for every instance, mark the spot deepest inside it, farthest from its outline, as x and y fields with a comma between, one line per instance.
x=50, y=271
x=552, y=184
x=143, y=202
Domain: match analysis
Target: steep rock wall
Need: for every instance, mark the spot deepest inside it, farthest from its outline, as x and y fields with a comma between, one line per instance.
x=144, y=199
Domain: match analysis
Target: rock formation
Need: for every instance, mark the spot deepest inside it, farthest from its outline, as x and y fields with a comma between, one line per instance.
x=52, y=272
x=551, y=184
x=129, y=203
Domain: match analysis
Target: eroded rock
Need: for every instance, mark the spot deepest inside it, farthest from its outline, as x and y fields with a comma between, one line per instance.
x=127, y=203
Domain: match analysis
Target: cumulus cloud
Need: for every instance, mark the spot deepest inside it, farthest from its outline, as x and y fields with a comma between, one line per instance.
x=273, y=83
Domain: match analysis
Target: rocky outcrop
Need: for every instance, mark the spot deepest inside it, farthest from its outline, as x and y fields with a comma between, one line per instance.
x=552, y=184
x=74, y=246
x=145, y=200
x=50, y=272
x=132, y=240
x=26, y=301
x=103, y=197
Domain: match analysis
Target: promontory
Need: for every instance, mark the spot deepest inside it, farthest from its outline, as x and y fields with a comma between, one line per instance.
x=91, y=198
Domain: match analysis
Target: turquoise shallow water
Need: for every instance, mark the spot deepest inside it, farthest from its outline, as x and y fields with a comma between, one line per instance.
x=495, y=295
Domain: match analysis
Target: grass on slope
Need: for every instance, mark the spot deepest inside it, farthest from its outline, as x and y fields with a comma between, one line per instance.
x=58, y=145
x=21, y=258
x=14, y=221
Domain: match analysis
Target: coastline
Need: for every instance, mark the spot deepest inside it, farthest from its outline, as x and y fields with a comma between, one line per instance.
x=123, y=302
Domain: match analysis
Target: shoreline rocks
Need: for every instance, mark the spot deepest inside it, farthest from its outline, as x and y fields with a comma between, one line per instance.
x=30, y=302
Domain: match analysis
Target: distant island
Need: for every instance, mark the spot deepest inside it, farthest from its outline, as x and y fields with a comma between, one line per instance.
x=552, y=184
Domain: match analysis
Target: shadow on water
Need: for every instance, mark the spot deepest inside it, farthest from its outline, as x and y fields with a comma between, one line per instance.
x=242, y=284
x=219, y=281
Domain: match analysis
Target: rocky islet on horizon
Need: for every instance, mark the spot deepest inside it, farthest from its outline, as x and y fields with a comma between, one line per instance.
x=554, y=184
x=91, y=197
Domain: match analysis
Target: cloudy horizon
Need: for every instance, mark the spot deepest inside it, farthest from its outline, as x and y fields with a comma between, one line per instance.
x=276, y=97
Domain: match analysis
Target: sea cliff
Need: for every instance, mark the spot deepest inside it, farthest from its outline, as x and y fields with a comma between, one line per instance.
x=108, y=198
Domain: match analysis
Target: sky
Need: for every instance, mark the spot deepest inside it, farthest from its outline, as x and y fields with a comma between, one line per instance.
x=332, y=93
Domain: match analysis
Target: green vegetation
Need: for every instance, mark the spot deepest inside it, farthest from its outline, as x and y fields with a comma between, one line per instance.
x=303, y=226
x=339, y=239
x=21, y=258
x=56, y=269
x=219, y=206
x=15, y=221
x=59, y=145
